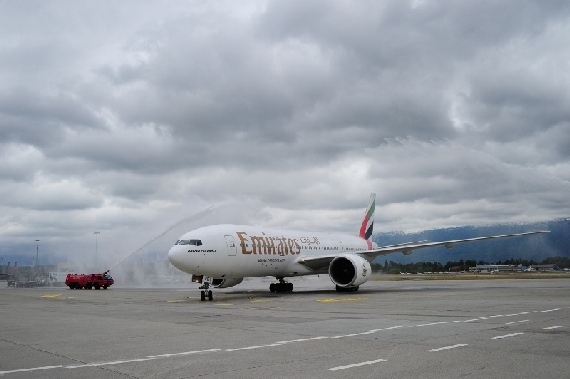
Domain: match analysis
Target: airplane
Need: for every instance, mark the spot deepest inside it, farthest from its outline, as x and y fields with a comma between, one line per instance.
x=222, y=255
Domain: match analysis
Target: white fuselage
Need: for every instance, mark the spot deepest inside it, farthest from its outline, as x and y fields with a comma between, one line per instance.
x=223, y=251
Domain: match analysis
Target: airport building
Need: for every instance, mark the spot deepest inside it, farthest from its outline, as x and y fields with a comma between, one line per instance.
x=496, y=268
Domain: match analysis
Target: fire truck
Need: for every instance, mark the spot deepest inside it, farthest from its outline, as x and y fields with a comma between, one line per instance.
x=88, y=281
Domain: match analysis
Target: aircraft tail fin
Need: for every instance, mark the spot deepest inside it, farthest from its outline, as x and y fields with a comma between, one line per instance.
x=368, y=222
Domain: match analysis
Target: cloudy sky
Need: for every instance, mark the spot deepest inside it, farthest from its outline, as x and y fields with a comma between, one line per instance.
x=128, y=117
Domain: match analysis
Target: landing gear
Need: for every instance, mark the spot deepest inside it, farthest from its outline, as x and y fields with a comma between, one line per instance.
x=282, y=286
x=347, y=289
x=206, y=292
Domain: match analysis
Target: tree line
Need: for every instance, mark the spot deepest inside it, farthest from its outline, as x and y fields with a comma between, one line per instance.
x=390, y=267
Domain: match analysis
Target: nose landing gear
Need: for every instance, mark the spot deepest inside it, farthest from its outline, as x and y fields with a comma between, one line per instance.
x=206, y=291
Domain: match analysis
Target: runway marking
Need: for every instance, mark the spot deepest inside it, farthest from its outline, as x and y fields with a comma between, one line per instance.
x=343, y=299
x=261, y=301
x=357, y=365
x=282, y=343
x=506, y=335
x=346, y=335
x=450, y=347
x=175, y=301
x=248, y=348
x=29, y=369
x=516, y=322
x=551, y=310
x=148, y=358
x=51, y=295
x=183, y=353
x=433, y=323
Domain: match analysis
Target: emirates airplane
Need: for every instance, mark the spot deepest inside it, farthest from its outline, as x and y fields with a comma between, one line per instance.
x=222, y=255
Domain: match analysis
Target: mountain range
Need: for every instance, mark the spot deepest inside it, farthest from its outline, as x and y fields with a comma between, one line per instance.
x=535, y=247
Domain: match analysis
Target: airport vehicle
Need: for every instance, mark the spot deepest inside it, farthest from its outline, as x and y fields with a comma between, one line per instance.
x=222, y=255
x=88, y=281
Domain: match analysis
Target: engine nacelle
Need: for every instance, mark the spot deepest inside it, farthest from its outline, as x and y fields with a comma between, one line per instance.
x=349, y=270
x=225, y=283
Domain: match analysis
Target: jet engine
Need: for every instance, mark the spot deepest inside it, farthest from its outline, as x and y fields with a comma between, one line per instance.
x=349, y=271
x=225, y=283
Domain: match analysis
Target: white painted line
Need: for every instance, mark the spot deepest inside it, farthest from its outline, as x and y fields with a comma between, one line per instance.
x=356, y=365
x=449, y=347
x=516, y=322
x=29, y=369
x=553, y=327
x=496, y=316
x=473, y=319
x=394, y=327
x=183, y=353
x=247, y=348
x=433, y=323
x=506, y=335
x=292, y=341
x=110, y=363
x=550, y=310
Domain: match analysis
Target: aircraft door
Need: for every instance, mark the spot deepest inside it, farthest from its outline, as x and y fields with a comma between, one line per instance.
x=231, y=243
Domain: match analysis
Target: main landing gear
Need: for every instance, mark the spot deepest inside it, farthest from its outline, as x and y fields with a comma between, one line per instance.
x=282, y=286
x=347, y=289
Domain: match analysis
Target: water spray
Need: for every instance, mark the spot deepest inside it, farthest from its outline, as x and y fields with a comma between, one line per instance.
x=199, y=214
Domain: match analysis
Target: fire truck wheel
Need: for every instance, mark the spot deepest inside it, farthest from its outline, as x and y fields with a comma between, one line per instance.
x=104, y=287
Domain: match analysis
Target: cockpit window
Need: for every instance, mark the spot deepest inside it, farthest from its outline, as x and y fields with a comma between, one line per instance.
x=189, y=242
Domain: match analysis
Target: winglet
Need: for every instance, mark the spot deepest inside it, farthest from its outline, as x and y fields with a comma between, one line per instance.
x=368, y=222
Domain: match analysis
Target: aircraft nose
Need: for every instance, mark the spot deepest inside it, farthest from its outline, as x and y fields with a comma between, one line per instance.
x=175, y=255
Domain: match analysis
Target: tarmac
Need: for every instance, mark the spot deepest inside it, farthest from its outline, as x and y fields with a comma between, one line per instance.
x=405, y=329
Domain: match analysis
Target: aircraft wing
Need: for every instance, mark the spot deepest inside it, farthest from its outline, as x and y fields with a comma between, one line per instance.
x=318, y=263
x=409, y=248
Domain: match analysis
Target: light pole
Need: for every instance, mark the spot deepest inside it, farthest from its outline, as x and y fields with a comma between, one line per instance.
x=37, y=253
x=96, y=234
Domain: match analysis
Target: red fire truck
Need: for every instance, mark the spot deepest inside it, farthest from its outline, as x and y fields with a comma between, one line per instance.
x=88, y=281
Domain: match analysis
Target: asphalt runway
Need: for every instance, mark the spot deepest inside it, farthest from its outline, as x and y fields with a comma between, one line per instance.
x=406, y=329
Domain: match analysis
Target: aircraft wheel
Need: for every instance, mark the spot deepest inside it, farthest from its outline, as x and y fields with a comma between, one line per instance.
x=289, y=287
x=210, y=296
x=202, y=296
x=272, y=287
